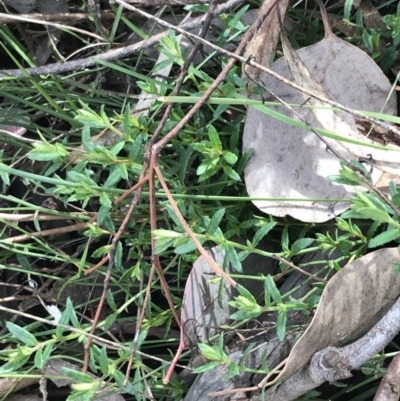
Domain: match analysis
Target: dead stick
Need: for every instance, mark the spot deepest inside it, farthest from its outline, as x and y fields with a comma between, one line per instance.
x=46, y=233
x=190, y=233
x=111, y=256
x=156, y=266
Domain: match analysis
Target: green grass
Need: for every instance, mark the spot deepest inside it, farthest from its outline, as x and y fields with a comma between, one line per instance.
x=203, y=168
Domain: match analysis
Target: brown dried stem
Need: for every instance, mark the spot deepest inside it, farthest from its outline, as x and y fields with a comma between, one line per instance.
x=156, y=266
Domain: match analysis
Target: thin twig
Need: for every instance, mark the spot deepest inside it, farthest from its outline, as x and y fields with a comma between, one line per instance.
x=190, y=233
x=47, y=23
x=111, y=256
x=130, y=190
x=39, y=217
x=287, y=263
x=57, y=17
x=155, y=265
x=114, y=54
x=267, y=70
x=46, y=233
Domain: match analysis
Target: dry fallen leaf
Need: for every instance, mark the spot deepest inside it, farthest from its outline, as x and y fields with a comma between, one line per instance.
x=14, y=384
x=263, y=44
x=205, y=305
x=289, y=162
x=332, y=49
x=352, y=302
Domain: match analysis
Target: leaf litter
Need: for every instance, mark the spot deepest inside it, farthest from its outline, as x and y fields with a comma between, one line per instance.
x=289, y=162
x=205, y=305
x=352, y=302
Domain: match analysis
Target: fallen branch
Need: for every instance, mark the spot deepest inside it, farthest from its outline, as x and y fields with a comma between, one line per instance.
x=114, y=54
x=332, y=364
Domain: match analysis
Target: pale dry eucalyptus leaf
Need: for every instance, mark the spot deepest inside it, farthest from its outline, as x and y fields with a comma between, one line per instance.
x=263, y=44
x=373, y=81
x=14, y=384
x=289, y=162
x=352, y=302
x=205, y=305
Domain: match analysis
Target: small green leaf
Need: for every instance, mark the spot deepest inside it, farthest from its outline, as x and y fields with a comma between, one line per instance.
x=102, y=214
x=47, y=352
x=22, y=334
x=161, y=233
x=394, y=22
x=396, y=199
x=347, y=8
x=78, y=376
x=231, y=173
x=384, y=238
x=208, y=174
x=90, y=118
x=5, y=177
x=233, y=370
x=230, y=157
x=270, y=286
x=187, y=247
x=111, y=301
x=109, y=321
x=393, y=189
x=162, y=244
x=338, y=179
x=377, y=202
x=206, y=367
x=215, y=221
x=209, y=352
x=233, y=258
x=345, y=245
x=86, y=139
x=285, y=239
x=114, y=177
x=246, y=293
x=247, y=352
x=103, y=361
x=374, y=214
x=214, y=138
x=47, y=151
x=15, y=364
x=367, y=41
x=262, y=232
x=105, y=200
x=301, y=244
x=63, y=320
x=281, y=325
x=39, y=359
